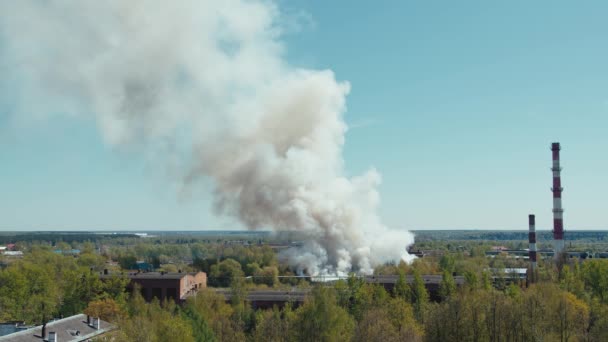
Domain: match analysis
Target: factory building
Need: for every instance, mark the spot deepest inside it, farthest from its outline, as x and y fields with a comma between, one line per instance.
x=175, y=286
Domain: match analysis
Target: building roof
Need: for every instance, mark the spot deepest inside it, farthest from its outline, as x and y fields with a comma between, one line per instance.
x=426, y=278
x=73, y=328
x=152, y=275
x=13, y=253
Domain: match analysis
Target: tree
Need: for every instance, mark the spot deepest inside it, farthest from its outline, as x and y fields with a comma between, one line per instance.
x=447, y=263
x=420, y=296
x=375, y=325
x=272, y=325
x=79, y=287
x=127, y=262
x=268, y=275
x=573, y=317
x=402, y=289
x=401, y=315
x=156, y=324
x=486, y=280
x=447, y=286
x=222, y=274
x=471, y=281
x=115, y=286
x=13, y=294
x=106, y=309
x=595, y=274
x=43, y=296
x=598, y=322
x=201, y=330
x=572, y=281
x=321, y=319
x=365, y=297
x=212, y=307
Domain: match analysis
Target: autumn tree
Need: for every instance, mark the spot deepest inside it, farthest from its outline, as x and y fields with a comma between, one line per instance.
x=106, y=309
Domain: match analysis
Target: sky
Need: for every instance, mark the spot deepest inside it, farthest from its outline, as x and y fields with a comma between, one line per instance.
x=455, y=104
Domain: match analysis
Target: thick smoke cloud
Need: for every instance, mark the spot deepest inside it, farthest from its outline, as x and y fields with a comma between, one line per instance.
x=209, y=78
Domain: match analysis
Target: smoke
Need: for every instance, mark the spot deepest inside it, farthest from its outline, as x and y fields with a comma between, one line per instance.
x=208, y=79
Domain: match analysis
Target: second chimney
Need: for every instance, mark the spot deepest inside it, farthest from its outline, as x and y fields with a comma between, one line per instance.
x=532, y=241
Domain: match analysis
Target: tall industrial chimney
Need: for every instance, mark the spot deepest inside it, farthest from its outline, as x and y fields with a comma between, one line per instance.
x=532, y=241
x=558, y=222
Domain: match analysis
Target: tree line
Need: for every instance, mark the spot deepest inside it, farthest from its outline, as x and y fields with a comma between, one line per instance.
x=567, y=302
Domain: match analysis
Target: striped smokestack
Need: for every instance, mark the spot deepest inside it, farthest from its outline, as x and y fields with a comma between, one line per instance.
x=532, y=241
x=558, y=222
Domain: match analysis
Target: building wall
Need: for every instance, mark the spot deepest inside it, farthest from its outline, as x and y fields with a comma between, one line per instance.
x=166, y=286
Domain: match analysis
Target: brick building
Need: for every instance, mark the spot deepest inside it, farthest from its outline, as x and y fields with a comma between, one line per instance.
x=165, y=285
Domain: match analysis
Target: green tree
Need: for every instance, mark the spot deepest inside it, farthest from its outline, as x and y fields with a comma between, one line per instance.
x=127, y=262
x=420, y=296
x=212, y=308
x=272, y=325
x=43, y=295
x=321, y=319
x=13, y=294
x=153, y=323
x=402, y=289
x=269, y=275
x=200, y=327
x=598, y=322
x=114, y=287
x=595, y=274
x=375, y=325
x=471, y=281
x=222, y=274
x=572, y=317
x=447, y=263
x=401, y=315
x=448, y=286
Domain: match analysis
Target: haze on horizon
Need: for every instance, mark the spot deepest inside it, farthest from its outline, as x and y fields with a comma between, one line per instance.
x=455, y=105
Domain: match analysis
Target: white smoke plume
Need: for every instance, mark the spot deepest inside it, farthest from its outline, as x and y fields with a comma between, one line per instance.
x=210, y=79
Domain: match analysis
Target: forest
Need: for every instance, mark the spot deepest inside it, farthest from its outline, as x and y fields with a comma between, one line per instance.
x=567, y=301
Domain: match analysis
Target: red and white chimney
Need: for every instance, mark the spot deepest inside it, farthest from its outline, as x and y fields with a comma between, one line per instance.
x=558, y=220
x=532, y=241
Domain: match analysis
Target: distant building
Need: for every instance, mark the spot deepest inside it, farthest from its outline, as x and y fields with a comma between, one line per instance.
x=143, y=266
x=165, y=285
x=517, y=272
x=68, y=251
x=73, y=328
x=601, y=255
x=13, y=253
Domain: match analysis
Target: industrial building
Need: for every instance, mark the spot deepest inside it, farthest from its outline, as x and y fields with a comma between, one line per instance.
x=175, y=286
x=73, y=328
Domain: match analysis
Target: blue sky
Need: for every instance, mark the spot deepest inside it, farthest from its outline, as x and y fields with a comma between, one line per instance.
x=454, y=103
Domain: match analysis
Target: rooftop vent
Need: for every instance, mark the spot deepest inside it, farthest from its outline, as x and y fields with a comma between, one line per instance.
x=95, y=323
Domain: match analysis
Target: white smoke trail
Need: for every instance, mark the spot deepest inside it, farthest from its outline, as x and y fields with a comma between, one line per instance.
x=208, y=77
